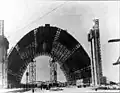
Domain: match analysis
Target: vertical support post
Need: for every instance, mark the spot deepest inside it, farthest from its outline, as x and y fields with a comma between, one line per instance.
x=97, y=51
x=53, y=71
x=6, y=71
x=4, y=45
x=2, y=74
x=32, y=71
x=96, y=65
x=92, y=65
x=27, y=74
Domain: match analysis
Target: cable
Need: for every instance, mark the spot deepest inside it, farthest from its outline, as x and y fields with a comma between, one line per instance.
x=43, y=16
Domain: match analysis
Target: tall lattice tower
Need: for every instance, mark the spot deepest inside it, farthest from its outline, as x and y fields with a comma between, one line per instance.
x=53, y=71
x=96, y=63
x=97, y=51
x=32, y=71
x=4, y=45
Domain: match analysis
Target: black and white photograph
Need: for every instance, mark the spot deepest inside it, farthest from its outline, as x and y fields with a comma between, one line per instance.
x=53, y=46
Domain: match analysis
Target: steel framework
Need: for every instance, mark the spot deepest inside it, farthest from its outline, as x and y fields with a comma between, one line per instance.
x=53, y=46
x=32, y=71
x=96, y=64
x=4, y=45
x=53, y=71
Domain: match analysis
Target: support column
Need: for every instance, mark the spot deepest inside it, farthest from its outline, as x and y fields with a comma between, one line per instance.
x=32, y=72
x=53, y=71
x=96, y=64
x=92, y=65
x=27, y=74
x=4, y=45
x=97, y=52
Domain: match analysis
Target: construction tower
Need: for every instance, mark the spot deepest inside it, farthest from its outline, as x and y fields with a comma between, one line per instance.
x=4, y=45
x=53, y=71
x=96, y=64
x=32, y=71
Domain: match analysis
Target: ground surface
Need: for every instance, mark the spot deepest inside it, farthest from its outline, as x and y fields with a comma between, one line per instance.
x=60, y=90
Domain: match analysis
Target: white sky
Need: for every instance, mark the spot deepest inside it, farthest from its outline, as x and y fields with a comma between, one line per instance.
x=21, y=16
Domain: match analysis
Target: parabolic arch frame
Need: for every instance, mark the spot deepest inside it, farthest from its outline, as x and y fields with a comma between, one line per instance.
x=55, y=43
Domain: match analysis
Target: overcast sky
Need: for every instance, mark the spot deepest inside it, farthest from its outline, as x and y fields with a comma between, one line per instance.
x=21, y=16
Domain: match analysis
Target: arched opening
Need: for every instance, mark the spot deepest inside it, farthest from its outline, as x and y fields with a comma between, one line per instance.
x=43, y=70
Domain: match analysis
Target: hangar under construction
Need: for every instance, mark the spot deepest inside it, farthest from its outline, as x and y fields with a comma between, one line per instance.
x=62, y=48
